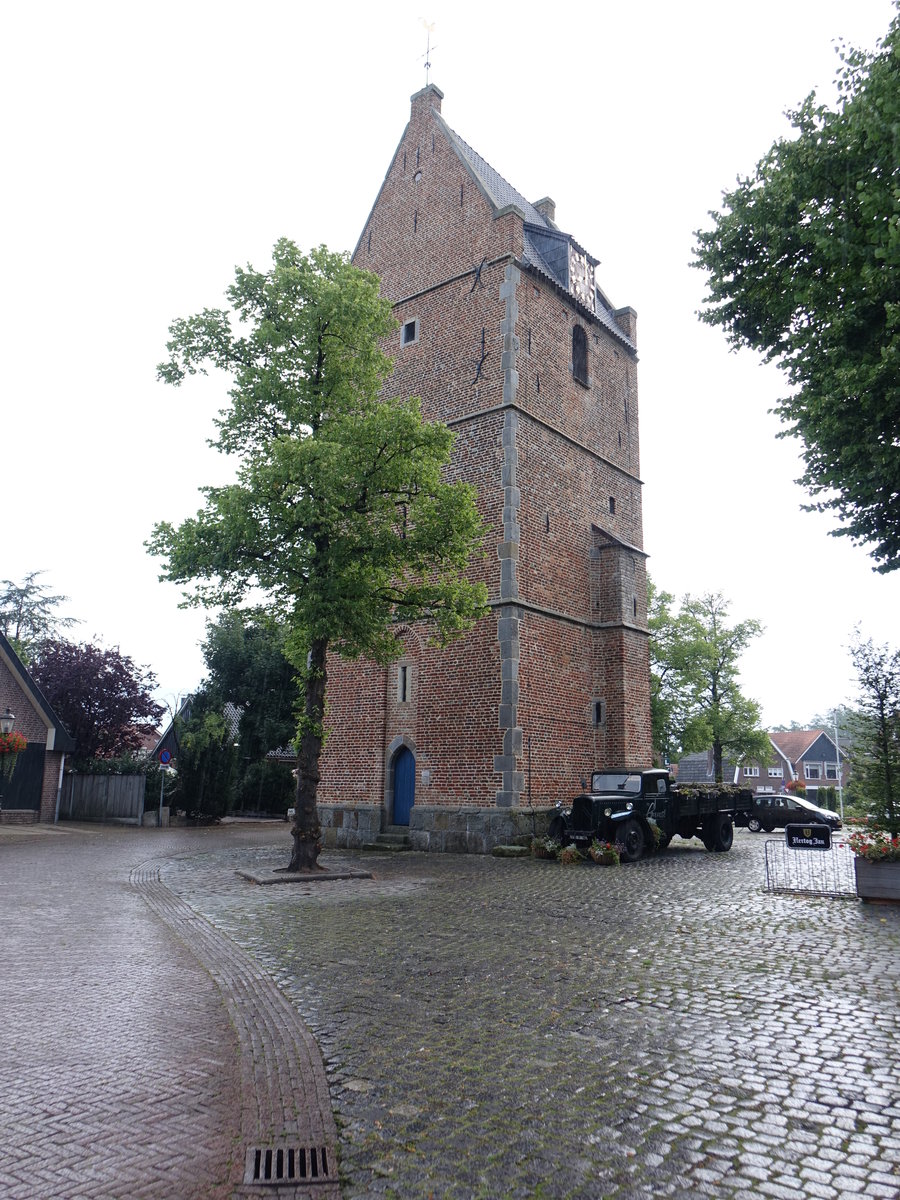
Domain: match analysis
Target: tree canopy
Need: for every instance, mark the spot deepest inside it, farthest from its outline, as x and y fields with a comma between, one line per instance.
x=696, y=701
x=104, y=700
x=804, y=265
x=27, y=613
x=340, y=513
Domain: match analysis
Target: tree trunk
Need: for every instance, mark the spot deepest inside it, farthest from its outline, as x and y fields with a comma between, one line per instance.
x=306, y=831
x=717, y=761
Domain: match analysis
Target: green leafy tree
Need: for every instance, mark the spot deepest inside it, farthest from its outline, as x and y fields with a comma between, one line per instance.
x=672, y=679
x=696, y=701
x=206, y=758
x=804, y=265
x=340, y=514
x=27, y=613
x=875, y=757
x=248, y=666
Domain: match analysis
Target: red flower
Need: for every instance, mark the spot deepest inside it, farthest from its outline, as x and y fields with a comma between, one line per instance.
x=12, y=743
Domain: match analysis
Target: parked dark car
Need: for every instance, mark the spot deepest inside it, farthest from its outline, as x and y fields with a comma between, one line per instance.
x=777, y=809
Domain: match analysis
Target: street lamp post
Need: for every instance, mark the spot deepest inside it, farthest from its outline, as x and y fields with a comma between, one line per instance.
x=7, y=720
x=840, y=773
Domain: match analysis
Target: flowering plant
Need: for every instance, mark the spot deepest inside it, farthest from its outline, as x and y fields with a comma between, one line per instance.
x=12, y=743
x=545, y=847
x=604, y=853
x=876, y=845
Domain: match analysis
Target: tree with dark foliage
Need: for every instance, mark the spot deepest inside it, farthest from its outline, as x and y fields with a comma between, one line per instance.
x=103, y=699
x=248, y=667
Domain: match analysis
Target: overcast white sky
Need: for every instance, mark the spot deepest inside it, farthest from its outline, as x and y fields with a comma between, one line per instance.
x=148, y=148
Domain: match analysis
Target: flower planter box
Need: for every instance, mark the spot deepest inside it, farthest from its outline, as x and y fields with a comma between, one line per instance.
x=877, y=880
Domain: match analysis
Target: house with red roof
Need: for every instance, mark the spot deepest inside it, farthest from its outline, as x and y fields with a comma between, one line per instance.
x=806, y=756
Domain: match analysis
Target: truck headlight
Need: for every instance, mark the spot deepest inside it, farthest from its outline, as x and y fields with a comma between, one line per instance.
x=607, y=812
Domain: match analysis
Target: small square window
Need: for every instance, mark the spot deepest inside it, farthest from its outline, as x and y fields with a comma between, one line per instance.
x=409, y=332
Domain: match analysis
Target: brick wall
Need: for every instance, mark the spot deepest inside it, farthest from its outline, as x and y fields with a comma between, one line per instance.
x=31, y=724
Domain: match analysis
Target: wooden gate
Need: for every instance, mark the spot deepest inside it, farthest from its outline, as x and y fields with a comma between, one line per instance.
x=23, y=791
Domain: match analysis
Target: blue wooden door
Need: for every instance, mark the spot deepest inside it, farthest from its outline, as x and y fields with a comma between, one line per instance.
x=404, y=785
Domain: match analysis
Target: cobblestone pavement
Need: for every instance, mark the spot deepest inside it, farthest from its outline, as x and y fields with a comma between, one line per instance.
x=509, y=1028
x=491, y=1027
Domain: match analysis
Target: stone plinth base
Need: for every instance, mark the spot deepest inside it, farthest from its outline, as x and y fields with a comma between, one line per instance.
x=436, y=828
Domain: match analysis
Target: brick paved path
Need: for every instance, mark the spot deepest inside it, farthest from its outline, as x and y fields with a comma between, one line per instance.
x=139, y=1057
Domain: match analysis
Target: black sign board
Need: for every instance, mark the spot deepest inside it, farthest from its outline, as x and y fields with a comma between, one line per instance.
x=807, y=837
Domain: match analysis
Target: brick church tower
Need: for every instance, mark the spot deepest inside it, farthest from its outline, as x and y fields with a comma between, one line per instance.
x=506, y=338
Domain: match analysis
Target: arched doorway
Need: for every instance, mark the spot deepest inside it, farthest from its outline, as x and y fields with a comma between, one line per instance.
x=404, y=785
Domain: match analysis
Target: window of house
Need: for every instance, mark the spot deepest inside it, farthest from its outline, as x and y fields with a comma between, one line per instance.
x=409, y=332
x=403, y=683
x=776, y=772
x=812, y=771
x=580, y=355
x=751, y=772
x=831, y=771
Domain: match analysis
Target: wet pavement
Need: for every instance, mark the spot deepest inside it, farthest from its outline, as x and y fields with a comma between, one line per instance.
x=490, y=1027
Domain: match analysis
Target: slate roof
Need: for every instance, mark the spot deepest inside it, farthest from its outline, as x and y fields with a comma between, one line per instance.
x=546, y=248
x=698, y=768
x=499, y=192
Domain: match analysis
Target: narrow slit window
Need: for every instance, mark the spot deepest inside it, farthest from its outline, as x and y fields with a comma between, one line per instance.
x=612, y=506
x=580, y=354
x=403, y=683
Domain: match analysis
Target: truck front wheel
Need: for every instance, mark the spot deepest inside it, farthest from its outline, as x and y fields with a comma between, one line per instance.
x=631, y=838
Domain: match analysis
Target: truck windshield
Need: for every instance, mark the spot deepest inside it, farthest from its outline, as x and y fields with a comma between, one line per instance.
x=617, y=782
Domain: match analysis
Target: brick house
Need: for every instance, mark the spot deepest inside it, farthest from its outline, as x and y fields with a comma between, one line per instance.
x=506, y=337
x=31, y=794
x=809, y=756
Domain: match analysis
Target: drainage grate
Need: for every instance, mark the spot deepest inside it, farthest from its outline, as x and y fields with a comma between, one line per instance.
x=286, y=1165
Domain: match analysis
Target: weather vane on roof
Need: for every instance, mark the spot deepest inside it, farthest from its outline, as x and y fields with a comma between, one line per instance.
x=429, y=29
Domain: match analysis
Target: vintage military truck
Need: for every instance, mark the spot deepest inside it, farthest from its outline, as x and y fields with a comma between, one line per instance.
x=641, y=811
